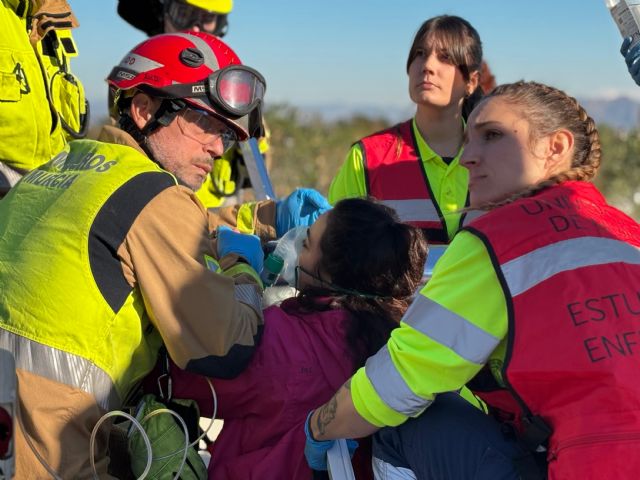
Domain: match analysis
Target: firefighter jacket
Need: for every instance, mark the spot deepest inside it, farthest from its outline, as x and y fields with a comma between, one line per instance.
x=103, y=257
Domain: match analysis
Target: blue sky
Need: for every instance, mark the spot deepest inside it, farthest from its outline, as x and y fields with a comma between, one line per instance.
x=353, y=52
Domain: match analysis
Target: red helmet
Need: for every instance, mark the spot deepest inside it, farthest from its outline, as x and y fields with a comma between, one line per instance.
x=193, y=69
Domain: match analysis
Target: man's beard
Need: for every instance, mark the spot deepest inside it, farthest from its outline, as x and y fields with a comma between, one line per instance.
x=168, y=157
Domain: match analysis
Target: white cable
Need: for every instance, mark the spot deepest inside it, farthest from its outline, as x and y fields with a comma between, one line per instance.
x=185, y=450
x=197, y=440
x=215, y=412
x=53, y=473
x=142, y=431
x=137, y=424
x=46, y=466
x=188, y=445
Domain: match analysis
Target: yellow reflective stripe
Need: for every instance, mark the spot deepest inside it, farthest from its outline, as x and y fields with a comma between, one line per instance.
x=240, y=268
x=369, y=405
x=451, y=330
x=527, y=271
x=414, y=354
x=245, y=218
x=62, y=367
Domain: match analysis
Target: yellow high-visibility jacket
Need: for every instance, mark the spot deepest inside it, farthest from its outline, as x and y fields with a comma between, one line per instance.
x=42, y=105
x=415, y=366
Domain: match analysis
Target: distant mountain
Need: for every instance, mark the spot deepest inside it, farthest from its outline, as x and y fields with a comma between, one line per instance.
x=622, y=113
x=332, y=112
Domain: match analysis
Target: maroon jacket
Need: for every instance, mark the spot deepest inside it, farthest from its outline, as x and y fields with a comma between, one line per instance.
x=300, y=363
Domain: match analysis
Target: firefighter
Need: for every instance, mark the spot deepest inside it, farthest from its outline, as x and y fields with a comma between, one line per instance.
x=106, y=253
x=229, y=176
x=42, y=102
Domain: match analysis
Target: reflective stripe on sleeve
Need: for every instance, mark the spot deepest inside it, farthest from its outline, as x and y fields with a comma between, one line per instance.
x=419, y=210
x=61, y=367
x=451, y=330
x=527, y=271
x=250, y=295
x=391, y=387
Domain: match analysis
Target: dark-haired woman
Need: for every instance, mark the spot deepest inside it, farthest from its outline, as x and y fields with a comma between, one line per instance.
x=414, y=167
x=356, y=272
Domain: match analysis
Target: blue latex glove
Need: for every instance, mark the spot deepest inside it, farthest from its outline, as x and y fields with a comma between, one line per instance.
x=300, y=209
x=244, y=245
x=632, y=57
x=315, y=451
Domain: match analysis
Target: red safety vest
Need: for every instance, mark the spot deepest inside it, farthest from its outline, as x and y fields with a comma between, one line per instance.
x=569, y=265
x=395, y=175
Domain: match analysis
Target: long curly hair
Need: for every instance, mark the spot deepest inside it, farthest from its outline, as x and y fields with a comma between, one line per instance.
x=377, y=262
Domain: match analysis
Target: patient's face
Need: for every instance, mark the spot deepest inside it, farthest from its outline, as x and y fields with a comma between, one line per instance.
x=310, y=255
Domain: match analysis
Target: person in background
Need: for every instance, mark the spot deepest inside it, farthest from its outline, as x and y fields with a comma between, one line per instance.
x=536, y=300
x=487, y=79
x=42, y=104
x=632, y=58
x=106, y=254
x=169, y=16
x=414, y=167
x=229, y=176
x=356, y=272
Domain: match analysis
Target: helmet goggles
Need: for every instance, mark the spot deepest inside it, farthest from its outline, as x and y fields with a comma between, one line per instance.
x=184, y=16
x=233, y=91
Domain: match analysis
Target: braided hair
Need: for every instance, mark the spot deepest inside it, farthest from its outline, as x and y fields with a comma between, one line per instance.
x=548, y=109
